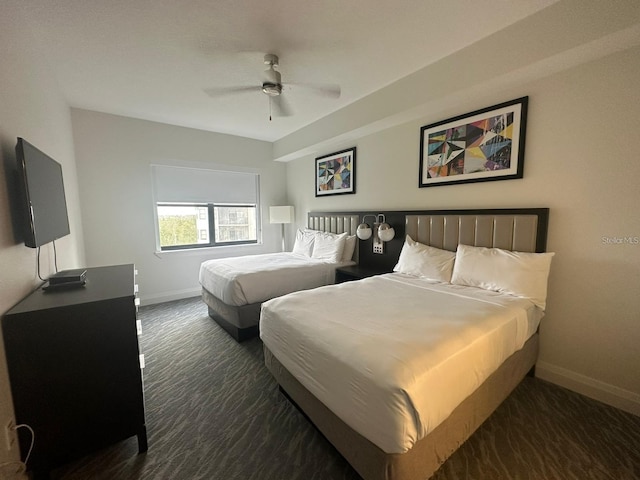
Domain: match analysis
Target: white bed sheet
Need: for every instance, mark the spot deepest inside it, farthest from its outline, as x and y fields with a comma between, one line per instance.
x=393, y=355
x=255, y=278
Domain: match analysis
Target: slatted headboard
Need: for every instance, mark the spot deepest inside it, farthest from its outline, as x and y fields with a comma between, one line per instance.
x=335, y=223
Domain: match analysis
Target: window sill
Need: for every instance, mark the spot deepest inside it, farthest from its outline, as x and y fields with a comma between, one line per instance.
x=215, y=252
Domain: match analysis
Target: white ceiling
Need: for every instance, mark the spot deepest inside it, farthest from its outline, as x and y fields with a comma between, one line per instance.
x=152, y=59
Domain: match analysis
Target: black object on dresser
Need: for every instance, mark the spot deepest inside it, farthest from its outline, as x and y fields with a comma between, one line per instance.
x=75, y=368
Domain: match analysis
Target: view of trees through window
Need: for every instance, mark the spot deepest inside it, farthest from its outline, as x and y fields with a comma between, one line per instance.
x=191, y=225
x=178, y=224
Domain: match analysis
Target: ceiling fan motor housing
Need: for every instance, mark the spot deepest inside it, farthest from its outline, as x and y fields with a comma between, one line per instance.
x=272, y=84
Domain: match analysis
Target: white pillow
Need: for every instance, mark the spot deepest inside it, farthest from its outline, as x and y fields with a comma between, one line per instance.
x=424, y=261
x=516, y=273
x=349, y=247
x=329, y=247
x=303, y=244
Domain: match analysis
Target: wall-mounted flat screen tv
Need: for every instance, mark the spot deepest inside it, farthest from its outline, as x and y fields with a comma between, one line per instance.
x=45, y=205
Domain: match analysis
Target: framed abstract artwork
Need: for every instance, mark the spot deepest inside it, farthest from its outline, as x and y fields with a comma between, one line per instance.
x=479, y=146
x=335, y=173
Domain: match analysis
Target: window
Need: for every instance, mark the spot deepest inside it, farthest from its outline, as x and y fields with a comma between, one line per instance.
x=234, y=223
x=185, y=225
x=205, y=208
x=178, y=225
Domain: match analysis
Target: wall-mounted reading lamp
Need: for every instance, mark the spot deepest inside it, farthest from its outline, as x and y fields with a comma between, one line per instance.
x=382, y=231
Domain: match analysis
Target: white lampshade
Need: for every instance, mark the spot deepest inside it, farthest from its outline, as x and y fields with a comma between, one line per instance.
x=364, y=231
x=281, y=214
x=386, y=232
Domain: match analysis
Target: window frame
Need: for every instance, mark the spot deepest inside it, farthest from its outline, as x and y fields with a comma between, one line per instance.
x=211, y=225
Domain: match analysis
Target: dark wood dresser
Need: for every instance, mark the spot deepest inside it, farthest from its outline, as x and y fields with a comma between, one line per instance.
x=75, y=367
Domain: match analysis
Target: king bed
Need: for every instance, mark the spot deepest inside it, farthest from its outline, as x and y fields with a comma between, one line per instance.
x=234, y=288
x=398, y=370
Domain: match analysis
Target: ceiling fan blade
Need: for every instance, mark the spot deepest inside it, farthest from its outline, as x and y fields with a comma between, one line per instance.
x=220, y=91
x=281, y=106
x=329, y=90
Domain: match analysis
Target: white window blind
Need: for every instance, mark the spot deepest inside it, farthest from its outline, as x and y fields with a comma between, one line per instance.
x=198, y=185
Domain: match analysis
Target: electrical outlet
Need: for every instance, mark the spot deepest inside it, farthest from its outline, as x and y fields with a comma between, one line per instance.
x=10, y=434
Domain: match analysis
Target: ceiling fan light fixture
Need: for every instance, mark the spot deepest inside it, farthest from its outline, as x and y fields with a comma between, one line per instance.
x=272, y=89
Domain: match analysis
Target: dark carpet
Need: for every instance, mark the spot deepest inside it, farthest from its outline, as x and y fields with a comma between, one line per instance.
x=214, y=412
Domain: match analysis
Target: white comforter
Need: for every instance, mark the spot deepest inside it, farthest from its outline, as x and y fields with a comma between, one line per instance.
x=256, y=278
x=393, y=355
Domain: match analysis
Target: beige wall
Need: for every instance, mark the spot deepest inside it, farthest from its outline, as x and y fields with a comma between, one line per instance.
x=114, y=169
x=581, y=163
x=32, y=107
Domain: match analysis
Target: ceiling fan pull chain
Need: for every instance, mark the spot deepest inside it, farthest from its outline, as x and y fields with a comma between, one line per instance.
x=270, y=108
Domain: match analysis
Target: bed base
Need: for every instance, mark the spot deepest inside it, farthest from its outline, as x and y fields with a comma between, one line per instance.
x=242, y=322
x=426, y=456
x=239, y=322
x=239, y=334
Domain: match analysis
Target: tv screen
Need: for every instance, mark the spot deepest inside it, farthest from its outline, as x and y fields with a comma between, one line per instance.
x=45, y=204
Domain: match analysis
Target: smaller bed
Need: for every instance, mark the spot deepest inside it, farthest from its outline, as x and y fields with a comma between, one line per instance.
x=234, y=288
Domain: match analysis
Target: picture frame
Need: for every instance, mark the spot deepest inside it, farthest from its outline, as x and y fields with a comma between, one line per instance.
x=336, y=173
x=479, y=146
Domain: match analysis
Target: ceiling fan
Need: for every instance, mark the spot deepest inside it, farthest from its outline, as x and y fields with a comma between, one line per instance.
x=272, y=87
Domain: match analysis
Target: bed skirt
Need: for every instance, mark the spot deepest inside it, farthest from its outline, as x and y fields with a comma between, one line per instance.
x=240, y=322
x=426, y=456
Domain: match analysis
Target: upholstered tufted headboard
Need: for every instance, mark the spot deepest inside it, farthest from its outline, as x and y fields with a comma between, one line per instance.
x=509, y=231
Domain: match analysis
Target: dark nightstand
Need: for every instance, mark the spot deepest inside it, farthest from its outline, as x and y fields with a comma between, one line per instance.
x=357, y=272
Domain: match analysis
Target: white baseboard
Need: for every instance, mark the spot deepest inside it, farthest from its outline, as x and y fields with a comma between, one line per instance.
x=169, y=296
x=590, y=387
